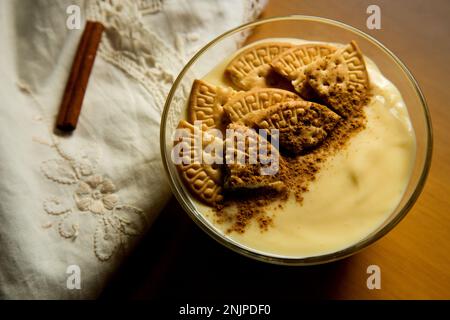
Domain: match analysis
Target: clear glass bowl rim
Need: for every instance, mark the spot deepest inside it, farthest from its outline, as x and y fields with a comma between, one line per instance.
x=314, y=259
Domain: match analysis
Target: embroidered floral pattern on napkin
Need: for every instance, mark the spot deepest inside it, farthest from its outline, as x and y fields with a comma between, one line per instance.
x=93, y=194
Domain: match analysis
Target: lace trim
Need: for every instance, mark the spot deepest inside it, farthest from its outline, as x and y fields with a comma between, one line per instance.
x=148, y=79
x=150, y=6
x=93, y=10
x=254, y=9
x=157, y=63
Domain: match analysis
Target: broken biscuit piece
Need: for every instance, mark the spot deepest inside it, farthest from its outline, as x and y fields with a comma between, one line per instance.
x=206, y=104
x=340, y=79
x=251, y=68
x=292, y=63
x=302, y=125
x=251, y=161
x=203, y=179
x=256, y=99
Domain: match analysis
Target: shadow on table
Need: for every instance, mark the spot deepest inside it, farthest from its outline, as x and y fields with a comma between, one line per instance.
x=177, y=260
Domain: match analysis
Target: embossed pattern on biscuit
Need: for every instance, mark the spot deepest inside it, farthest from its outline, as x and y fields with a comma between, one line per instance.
x=302, y=125
x=341, y=79
x=291, y=63
x=203, y=180
x=256, y=99
x=251, y=68
x=206, y=103
x=245, y=163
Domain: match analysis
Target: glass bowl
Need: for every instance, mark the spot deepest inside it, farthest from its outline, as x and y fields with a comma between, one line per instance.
x=314, y=29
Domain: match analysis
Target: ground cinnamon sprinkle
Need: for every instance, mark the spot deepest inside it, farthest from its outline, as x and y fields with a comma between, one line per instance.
x=248, y=206
x=296, y=172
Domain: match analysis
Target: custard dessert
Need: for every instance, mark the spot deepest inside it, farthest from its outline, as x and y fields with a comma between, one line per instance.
x=295, y=149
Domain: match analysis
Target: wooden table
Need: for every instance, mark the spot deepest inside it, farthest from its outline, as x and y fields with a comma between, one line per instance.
x=176, y=259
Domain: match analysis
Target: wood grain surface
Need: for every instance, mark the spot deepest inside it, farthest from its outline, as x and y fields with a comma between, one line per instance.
x=176, y=259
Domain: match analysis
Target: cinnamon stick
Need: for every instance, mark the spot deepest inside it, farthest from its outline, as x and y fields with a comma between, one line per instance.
x=83, y=62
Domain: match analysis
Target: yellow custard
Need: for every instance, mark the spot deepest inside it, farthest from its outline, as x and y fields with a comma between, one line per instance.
x=354, y=192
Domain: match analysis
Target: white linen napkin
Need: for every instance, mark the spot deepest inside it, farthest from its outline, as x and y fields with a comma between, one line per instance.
x=71, y=207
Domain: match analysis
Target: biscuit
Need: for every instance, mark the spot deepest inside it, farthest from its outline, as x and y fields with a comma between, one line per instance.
x=206, y=103
x=302, y=125
x=259, y=98
x=292, y=63
x=340, y=80
x=251, y=68
x=203, y=180
x=245, y=164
